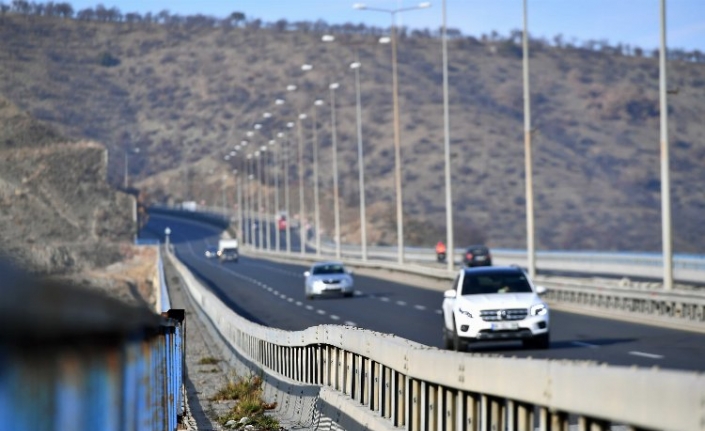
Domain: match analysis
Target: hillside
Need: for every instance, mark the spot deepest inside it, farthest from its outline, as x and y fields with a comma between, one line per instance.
x=186, y=94
x=58, y=215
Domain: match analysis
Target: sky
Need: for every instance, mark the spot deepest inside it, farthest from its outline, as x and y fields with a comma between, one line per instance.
x=633, y=22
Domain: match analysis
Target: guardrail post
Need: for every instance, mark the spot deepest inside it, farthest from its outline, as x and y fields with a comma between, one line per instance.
x=525, y=418
x=349, y=374
x=338, y=369
x=384, y=403
x=559, y=421
x=427, y=416
x=399, y=394
x=414, y=403
x=510, y=409
x=496, y=418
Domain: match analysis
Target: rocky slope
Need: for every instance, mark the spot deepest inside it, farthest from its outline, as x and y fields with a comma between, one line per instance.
x=58, y=215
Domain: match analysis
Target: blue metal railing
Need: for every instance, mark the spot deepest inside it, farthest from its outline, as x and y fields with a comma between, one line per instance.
x=75, y=359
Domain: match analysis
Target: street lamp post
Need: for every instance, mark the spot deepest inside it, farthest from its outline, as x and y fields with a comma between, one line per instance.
x=450, y=256
x=528, y=164
x=238, y=177
x=397, y=132
x=277, y=232
x=336, y=205
x=260, y=227
x=302, y=204
x=265, y=192
x=286, y=191
x=248, y=200
x=224, y=178
x=316, y=198
x=361, y=165
x=667, y=245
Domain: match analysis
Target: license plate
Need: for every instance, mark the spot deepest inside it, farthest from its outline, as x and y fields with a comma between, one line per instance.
x=503, y=326
x=481, y=257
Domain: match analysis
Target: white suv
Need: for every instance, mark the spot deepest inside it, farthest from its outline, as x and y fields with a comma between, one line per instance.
x=494, y=303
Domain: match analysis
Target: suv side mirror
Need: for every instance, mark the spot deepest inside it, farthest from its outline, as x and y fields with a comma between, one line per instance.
x=450, y=294
x=541, y=290
x=306, y=273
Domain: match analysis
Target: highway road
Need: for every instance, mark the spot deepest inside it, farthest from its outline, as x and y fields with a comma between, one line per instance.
x=272, y=294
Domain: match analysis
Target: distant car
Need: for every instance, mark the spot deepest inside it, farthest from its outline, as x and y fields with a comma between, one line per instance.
x=497, y=303
x=328, y=278
x=228, y=254
x=477, y=255
x=211, y=252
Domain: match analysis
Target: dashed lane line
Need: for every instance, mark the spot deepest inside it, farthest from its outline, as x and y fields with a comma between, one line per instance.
x=646, y=355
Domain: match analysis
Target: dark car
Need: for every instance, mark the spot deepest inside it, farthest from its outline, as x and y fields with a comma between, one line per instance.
x=228, y=254
x=211, y=252
x=477, y=255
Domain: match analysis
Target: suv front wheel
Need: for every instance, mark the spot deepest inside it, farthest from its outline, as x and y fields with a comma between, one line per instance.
x=452, y=341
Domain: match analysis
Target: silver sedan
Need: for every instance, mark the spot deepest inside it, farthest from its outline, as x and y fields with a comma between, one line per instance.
x=328, y=278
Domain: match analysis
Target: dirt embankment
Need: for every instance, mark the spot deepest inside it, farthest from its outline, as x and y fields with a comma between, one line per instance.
x=59, y=216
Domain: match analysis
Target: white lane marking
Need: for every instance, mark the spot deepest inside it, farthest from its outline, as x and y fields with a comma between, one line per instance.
x=349, y=323
x=319, y=311
x=384, y=299
x=299, y=303
x=401, y=303
x=309, y=307
x=439, y=311
x=290, y=299
x=581, y=344
x=646, y=355
x=420, y=307
x=334, y=317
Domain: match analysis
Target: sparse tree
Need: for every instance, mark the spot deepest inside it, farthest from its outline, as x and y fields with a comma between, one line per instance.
x=281, y=25
x=65, y=10
x=86, y=14
x=21, y=6
x=558, y=41
x=236, y=18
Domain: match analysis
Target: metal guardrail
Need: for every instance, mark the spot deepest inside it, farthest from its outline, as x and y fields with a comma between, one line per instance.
x=75, y=359
x=385, y=382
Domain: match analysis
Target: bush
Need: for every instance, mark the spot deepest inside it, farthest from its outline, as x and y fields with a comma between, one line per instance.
x=109, y=60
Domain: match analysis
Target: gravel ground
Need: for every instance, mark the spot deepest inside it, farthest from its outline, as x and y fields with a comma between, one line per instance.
x=201, y=381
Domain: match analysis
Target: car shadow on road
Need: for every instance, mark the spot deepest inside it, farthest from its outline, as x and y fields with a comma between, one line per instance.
x=508, y=346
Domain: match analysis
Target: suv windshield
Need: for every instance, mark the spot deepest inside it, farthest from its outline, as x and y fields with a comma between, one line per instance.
x=495, y=282
x=328, y=269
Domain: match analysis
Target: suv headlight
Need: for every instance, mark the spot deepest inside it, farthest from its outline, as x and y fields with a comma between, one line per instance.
x=465, y=312
x=539, y=309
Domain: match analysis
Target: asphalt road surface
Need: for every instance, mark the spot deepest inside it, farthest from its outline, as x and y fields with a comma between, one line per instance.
x=272, y=294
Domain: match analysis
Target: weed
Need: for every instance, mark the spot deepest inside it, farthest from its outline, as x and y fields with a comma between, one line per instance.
x=208, y=361
x=248, y=393
x=239, y=389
